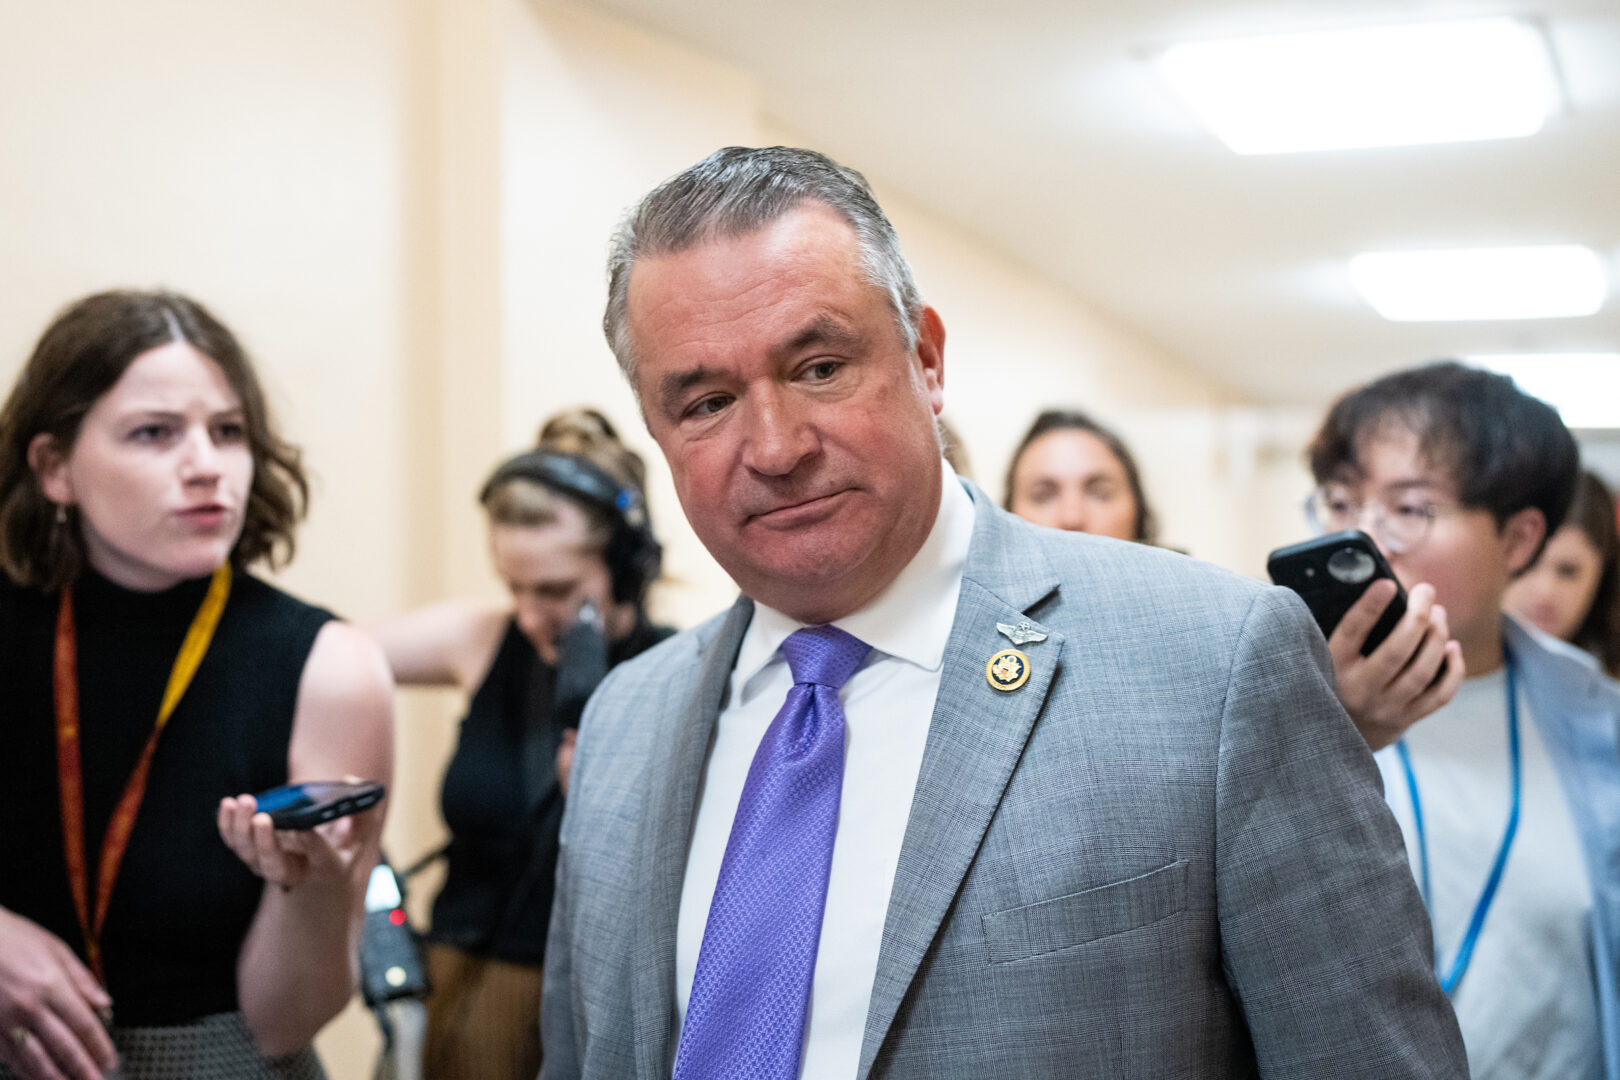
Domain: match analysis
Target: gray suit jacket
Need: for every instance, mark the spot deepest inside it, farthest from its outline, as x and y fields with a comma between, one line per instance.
x=1166, y=855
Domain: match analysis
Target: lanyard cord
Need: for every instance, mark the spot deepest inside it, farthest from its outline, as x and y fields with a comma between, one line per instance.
x=70, y=779
x=1482, y=907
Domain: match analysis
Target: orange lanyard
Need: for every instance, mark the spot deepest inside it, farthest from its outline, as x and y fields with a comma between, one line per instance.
x=69, y=769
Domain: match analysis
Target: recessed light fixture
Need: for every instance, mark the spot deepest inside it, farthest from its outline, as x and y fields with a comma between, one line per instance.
x=1583, y=387
x=1430, y=82
x=1556, y=281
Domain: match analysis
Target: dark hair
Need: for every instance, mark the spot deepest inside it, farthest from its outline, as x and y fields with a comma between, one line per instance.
x=1593, y=512
x=735, y=191
x=1506, y=451
x=1145, y=528
x=86, y=350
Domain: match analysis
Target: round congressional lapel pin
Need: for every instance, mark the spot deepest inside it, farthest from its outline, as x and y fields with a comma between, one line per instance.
x=1007, y=670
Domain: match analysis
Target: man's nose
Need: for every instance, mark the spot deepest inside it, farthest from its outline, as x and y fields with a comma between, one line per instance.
x=779, y=437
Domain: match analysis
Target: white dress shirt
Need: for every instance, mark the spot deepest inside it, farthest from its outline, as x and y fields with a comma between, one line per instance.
x=888, y=703
x=1528, y=1003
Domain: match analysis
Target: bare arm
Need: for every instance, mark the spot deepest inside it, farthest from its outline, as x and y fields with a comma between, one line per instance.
x=449, y=644
x=299, y=963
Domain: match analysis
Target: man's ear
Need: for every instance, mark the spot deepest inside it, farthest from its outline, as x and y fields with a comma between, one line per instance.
x=45, y=457
x=931, y=356
x=1522, y=536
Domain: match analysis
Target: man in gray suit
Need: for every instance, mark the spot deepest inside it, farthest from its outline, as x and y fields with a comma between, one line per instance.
x=943, y=794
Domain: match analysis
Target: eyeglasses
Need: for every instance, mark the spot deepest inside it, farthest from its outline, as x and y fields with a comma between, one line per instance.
x=1399, y=524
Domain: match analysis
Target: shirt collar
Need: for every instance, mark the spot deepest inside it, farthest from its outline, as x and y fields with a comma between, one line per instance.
x=911, y=618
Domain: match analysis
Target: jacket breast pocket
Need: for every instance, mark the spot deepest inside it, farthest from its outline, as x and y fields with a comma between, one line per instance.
x=1065, y=921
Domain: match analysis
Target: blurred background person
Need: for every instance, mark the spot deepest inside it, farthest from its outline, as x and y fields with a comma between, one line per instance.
x=1070, y=472
x=1506, y=794
x=1573, y=590
x=148, y=679
x=570, y=538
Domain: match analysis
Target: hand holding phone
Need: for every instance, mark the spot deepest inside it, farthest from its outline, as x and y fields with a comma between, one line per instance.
x=1331, y=573
x=1393, y=660
x=304, y=806
x=300, y=832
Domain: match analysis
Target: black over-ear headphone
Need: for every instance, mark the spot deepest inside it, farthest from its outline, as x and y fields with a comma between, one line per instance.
x=633, y=555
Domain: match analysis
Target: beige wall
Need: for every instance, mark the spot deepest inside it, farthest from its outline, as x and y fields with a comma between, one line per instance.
x=598, y=112
x=229, y=152
x=402, y=206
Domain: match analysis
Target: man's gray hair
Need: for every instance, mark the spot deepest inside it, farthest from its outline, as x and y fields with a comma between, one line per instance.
x=735, y=191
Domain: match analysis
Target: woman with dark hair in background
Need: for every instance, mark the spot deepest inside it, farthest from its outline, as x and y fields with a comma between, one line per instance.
x=570, y=538
x=1070, y=472
x=149, y=917
x=1573, y=591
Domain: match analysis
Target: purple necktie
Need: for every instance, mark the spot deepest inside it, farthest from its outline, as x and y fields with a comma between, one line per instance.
x=751, y=991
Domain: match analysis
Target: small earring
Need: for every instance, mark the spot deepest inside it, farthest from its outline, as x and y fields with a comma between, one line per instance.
x=61, y=513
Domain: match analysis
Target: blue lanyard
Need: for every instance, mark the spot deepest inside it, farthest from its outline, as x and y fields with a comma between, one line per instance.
x=1465, y=951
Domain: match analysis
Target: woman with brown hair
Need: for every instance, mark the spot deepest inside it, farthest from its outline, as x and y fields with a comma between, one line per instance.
x=570, y=539
x=1070, y=472
x=1573, y=590
x=149, y=917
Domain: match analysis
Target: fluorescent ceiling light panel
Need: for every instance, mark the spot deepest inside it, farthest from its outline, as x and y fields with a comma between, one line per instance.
x=1471, y=284
x=1375, y=86
x=1583, y=387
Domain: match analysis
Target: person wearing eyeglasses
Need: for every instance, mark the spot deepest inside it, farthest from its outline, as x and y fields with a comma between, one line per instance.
x=1508, y=793
x=1419, y=666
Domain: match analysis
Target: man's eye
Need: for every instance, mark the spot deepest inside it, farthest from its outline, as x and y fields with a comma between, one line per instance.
x=1415, y=511
x=823, y=371
x=709, y=405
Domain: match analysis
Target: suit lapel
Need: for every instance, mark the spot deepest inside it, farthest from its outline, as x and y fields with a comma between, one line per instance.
x=975, y=739
x=680, y=751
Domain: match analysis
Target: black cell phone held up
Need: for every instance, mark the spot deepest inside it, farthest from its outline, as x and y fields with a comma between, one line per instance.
x=1331, y=572
x=304, y=806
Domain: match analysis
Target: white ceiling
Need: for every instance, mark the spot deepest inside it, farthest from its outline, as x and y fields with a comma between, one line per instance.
x=1040, y=126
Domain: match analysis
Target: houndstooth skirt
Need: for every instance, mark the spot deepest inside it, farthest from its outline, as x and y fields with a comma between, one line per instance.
x=213, y=1048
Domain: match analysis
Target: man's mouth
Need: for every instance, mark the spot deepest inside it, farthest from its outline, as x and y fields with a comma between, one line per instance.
x=792, y=512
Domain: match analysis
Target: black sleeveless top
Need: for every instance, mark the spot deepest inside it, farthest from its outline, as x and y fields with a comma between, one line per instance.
x=183, y=902
x=502, y=856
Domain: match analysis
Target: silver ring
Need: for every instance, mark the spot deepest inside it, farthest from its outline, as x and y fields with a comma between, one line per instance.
x=19, y=1036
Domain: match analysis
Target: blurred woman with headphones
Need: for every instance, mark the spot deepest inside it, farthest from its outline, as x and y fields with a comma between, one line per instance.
x=570, y=537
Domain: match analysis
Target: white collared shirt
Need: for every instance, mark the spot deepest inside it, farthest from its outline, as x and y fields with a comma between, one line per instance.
x=887, y=703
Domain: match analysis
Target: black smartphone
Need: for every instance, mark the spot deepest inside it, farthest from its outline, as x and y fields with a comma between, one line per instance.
x=1331, y=572
x=304, y=806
